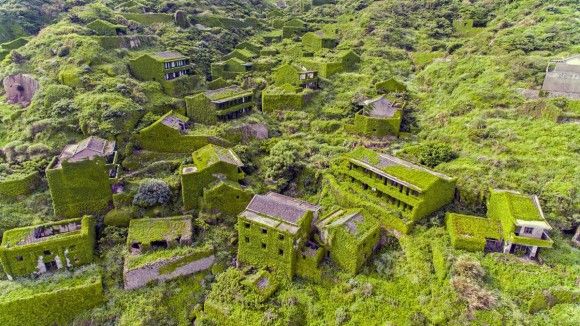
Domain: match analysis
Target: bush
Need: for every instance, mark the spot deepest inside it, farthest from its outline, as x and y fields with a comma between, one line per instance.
x=152, y=192
x=433, y=154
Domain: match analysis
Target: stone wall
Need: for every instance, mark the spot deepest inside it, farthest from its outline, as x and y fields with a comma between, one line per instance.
x=136, y=278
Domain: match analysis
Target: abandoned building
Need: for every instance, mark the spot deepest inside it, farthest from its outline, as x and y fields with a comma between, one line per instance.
x=20, y=89
x=406, y=191
x=296, y=76
x=563, y=78
x=80, y=178
x=150, y=234
x=329, y=63
x=48, y=247
x=105, y=28
x=285, y=97
x=168, y=68
x=222, y=104
x=160, y=249
x=274, y=232
x=319, y=40
x=350, y=237
x=378, y=117
x=230, y=68
x=515, y=223
x=210, y=163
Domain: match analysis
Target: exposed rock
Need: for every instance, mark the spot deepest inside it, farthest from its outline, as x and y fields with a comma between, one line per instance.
x=20, y=89
x=254, y=131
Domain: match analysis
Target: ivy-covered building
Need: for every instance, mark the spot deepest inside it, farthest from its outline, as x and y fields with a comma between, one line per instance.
x=329, y=63
x=230, y=68
x=171, y=69
x=274, y=231
x=390, y=85
x=378, y=117
x=315, y=41
x=250, y=46
x=403, y=191
x=295, y=75
x=80, y=179
x=210, y=164
x=294, y=27
x=272, y=37
x=221, y=104
x=349, y=237
x=160, y=249
x=48, y=247
x=105, y=28
x=242, y=54
x=284, y=97
x=515, y=223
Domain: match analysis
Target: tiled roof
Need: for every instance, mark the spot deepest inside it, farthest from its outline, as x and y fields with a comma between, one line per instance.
x=87, y=149
x=169, y=55
x=380, y=107
x=281, y=207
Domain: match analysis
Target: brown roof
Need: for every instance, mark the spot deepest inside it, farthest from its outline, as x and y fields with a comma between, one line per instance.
x=380, y=107
x=281, y=207
x=169, y=55
x=87, y=149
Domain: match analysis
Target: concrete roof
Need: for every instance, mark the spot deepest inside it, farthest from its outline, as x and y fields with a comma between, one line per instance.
x=565, y=76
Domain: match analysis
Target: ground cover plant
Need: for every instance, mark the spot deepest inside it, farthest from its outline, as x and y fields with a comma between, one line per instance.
x=464, y=71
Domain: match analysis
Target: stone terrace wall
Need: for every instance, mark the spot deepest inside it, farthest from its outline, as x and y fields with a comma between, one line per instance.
x=139, y=277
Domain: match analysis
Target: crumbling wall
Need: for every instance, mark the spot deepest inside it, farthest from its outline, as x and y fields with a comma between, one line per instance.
x=166, y=270
x=20, y=89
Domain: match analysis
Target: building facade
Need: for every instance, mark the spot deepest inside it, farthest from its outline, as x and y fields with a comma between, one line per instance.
x=222, y=104
x=48, y=247
x=171, y=69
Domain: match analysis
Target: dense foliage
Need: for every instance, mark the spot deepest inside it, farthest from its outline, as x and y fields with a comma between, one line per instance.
x=466, y=68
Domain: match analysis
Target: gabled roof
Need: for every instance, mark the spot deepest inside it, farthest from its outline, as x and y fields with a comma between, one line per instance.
x=406, y=173
x=352, y=221
x=282, y=208
x=522, y=210
x=212, y=154
x=87, y=149
x=565, y=77
x=380, y=107
x=224, y=94
x=168, y=55
x=174, y=120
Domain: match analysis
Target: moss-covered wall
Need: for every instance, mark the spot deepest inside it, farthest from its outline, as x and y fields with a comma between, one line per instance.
x=80, y=188
x=390, y=85
x=19, y=186
x=273, y=101
x=149, y=18
x=351, y=252
x=56, y=307
x=201, y=109
x=226, y=199
x=193, y=184
x=313, y=42
x=378, y=127
x=73, y=250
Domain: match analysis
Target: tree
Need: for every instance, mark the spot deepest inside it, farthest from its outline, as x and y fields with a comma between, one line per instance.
x=433, y=154
x=152, y=192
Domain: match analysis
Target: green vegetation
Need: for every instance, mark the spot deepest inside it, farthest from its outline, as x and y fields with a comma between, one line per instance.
x=468, y=73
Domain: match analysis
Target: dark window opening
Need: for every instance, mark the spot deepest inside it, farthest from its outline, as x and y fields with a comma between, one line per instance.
x=159, y=244
x=19, y=258
x=136, y=245
x=528, y=230
x=247, y=225
x=47, y=253
x=263, y=245
x=280, y=237
x=247, y=239
x=280, y=252
x=264, y=231
x=51, y=266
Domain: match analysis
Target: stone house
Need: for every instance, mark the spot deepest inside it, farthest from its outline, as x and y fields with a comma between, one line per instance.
x=403, y=191
x=221, y=104
x=515, y=224
x=295, y=75
x=274, y=230
x=230, y=68
x=210, y=164
x=48, y=247
x=80, y=179
x=315, y=41
x=378, y=117
x=349, y=237
x=171, y=69
x=105, y=28
x=150, y=234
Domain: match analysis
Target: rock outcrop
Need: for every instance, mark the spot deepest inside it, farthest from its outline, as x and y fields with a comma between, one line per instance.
x=20, y=89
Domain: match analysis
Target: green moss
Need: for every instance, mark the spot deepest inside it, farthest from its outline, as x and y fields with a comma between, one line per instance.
x=470, y=232
x=147, y=230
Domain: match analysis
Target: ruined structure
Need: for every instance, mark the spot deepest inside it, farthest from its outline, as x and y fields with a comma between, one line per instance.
x=80, y=179
x=221, y=104
x=20, y=89
x=159, y=249
x=563, y=78
x=378, y=117
x=48, y=247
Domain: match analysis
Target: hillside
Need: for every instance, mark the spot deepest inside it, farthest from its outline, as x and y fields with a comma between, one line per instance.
x=466, y=76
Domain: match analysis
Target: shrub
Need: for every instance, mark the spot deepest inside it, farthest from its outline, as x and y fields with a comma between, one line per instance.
x=152, y=192
x=467, y=267
x=54, y=93
x=433, y=154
